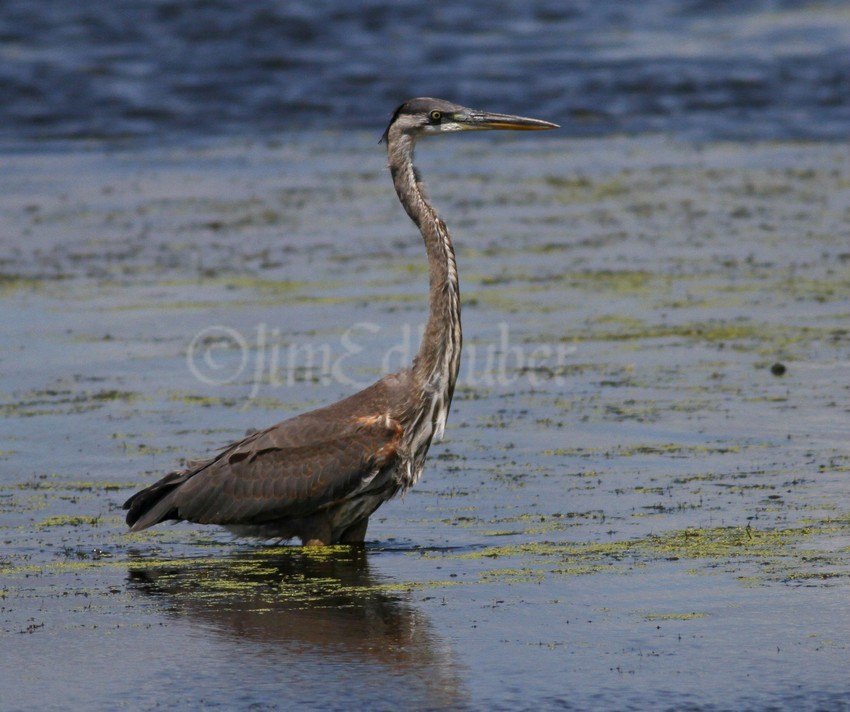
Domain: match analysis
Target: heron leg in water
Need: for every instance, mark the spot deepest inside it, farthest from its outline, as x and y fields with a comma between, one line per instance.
x=356, y=533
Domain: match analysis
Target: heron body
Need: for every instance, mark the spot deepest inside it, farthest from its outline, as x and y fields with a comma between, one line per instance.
x=319, y=476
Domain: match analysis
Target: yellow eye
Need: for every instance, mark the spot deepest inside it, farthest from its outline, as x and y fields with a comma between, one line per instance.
x=436, y=115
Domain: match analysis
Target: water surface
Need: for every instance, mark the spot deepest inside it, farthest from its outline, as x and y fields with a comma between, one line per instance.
x=634, y=506
x=641, y=501
x=156, y=70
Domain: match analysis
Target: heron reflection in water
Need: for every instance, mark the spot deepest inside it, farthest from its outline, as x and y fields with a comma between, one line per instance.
x=320, y=476
x=306, y=614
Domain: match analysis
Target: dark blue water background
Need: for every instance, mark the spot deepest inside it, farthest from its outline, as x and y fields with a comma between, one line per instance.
x=175, y=69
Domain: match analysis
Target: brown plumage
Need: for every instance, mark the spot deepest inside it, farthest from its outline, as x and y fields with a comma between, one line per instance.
x=320, y=475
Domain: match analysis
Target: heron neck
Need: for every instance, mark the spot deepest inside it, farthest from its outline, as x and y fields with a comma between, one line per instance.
x=436, y=365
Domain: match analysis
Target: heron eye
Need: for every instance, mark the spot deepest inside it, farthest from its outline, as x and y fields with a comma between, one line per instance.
x=436, y=115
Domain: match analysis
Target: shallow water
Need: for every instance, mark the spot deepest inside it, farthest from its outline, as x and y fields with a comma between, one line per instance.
x=634, y=506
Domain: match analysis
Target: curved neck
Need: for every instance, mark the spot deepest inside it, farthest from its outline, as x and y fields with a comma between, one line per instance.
x=436, y=365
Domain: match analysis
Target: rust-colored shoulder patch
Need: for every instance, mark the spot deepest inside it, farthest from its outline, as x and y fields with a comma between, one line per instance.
x=388, y=450
x=383, y=420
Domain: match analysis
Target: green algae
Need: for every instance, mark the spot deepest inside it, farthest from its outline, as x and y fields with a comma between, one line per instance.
x=745, y=335
x=672, y=616
x=55, y=482
x=11, y=284
x=778, y=553
x=775, y=554
x=62, y=401
x=657, y=449
x=290, y=577
x=65, y=520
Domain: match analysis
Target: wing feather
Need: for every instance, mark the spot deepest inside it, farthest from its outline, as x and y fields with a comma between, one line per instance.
x=290, y=470
x=265, y=482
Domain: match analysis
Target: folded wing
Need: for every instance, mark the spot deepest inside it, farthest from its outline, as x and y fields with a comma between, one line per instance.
x=290, y=470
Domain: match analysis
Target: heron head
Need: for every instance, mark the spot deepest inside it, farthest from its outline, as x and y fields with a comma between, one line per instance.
x=426, y=116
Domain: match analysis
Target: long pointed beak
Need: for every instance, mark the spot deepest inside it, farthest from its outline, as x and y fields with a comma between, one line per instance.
x=486, y=121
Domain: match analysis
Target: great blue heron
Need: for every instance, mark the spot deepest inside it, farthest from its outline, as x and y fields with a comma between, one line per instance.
x=319, y=476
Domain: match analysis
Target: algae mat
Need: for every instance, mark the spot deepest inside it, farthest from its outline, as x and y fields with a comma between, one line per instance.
x=642, y=499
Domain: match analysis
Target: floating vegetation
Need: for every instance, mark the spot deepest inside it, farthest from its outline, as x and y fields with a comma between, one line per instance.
x=672, y=616
x=69, y=521
x=777, y=554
